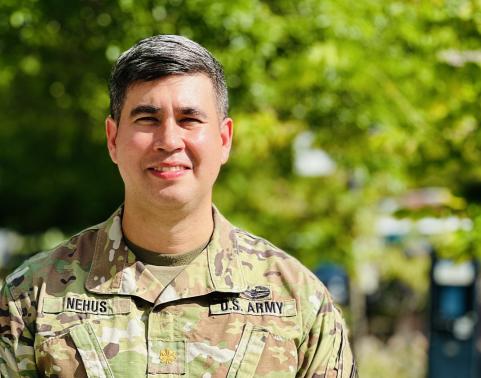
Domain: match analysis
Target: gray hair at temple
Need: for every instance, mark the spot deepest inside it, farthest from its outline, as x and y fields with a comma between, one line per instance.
x=163, y=55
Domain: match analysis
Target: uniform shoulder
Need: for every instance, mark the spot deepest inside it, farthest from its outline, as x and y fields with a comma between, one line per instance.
x=263, y=252
x=267, y=265
x=39, y=267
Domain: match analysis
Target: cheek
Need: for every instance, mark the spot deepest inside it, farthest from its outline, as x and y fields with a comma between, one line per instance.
x=206, y=144
x=136, y=144
x=130, y=151
x=206, y=152
x=141, y=141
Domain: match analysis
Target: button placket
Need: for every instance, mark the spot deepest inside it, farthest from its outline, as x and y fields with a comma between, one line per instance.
x=166, y=350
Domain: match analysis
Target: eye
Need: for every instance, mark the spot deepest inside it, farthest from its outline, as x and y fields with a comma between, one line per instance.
x=189, y=120
x=145, y=120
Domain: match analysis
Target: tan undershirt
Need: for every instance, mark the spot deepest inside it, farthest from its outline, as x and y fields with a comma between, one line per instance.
x=164, y=266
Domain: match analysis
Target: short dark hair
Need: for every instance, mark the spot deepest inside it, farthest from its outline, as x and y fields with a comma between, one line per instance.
x=160, y=56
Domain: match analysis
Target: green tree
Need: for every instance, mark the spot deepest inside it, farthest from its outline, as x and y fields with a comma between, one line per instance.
x=388, y=89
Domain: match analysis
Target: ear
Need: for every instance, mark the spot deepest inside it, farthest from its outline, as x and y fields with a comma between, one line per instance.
x=226, y=134
x=111, y=129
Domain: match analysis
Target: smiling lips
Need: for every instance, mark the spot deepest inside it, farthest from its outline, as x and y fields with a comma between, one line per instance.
x=169, y=172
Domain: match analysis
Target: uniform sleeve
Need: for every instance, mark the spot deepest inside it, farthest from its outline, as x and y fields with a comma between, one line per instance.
x=326, y=352
x=16, y=339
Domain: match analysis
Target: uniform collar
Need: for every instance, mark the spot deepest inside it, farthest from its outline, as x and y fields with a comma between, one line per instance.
x=115, y=270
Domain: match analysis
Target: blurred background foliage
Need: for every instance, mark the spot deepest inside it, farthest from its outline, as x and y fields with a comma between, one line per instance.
x=387, y=89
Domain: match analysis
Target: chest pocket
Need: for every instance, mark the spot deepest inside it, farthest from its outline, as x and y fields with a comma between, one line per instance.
x=76, y=353
x=248, y=352
x=66, y=344
x=92, y=355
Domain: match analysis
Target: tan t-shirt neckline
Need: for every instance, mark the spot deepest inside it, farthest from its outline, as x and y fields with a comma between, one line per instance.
x=164, y=266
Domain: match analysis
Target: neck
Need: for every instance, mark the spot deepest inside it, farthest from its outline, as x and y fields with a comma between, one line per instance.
x=168, y=230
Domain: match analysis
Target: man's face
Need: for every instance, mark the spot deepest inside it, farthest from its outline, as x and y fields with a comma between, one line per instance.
x=170, y=142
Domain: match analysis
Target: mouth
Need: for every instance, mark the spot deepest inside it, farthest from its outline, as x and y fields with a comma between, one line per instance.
x=175, y=168
x=169, y=171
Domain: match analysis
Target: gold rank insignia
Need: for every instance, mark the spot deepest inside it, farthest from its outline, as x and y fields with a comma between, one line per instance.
x=167, y=356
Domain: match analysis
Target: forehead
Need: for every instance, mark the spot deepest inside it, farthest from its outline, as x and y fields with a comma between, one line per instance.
x=194, y=89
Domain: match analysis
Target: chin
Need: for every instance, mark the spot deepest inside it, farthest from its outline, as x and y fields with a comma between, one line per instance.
x=170, y=200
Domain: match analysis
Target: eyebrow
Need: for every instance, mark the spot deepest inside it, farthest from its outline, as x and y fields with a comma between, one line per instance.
x=191, y=111
x=151, y=109
x=142, y=109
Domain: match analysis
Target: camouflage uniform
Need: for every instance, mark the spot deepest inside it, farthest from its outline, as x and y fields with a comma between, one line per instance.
x=242, y=308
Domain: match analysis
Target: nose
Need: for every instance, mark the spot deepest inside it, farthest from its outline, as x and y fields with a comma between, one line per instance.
x=168, y=137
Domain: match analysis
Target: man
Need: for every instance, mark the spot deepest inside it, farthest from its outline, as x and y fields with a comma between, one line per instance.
x=167, y=286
